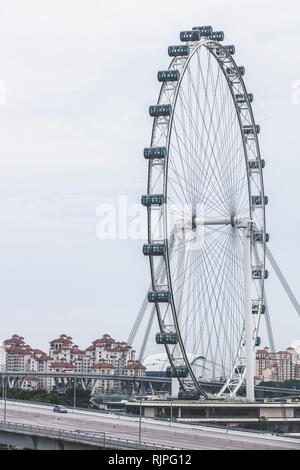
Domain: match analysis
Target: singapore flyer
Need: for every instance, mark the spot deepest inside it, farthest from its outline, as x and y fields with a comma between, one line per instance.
x=206, y=215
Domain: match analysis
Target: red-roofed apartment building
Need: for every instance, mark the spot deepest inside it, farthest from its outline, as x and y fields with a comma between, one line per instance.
x=297, y=371
x=135, y=369
x=278, y=366
x=103, y=384
x=20, y=357
x=102, y=350
x=64, y=356
x=62, y=366
x=28, y=383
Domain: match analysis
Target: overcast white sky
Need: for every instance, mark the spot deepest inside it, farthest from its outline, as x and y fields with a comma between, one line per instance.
x=80, y=76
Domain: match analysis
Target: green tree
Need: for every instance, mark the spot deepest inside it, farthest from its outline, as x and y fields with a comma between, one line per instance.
x=263, y=423
x=54, y=396
x=278, y=430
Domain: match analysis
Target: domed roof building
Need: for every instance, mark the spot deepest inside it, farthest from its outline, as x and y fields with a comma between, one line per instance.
x=159, y=362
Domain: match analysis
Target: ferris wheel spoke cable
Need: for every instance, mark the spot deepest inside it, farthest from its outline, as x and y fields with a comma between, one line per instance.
x=190, y=194
x=269, y=325
x=223, y=151
x=184, y=143
x=211, y=204
x=217, y=176
x=198, y=276
x=222, y=179
x=214, y=133
x=239, y=186
x=267, y=315
x=226, y=289
x=188, y=308
x=230, y=310
x=214, y=310
x=193, y=139
x=174, y=183
x=185, y=133
x=223, y=172
x=232, y=163
x=175, y=278
x=206, y=308
x=196, y=165
x=214, y=204
x=216, y=286
x=206, y=273
x=210, y=109
x=225, y=310
x=180, y=246
x=147, y=333
x=197, y=100
x=221, y=137
x=216, y=256
x=218, y=134
x=158, y=177
x=202, y=274
x=179, y=151
x=204, y=84
x=196, y=286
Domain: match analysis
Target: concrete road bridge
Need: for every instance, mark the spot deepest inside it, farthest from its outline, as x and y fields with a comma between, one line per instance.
x=35, y=426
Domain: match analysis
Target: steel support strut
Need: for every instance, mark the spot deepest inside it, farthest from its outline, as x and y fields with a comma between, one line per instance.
x=179, y=287
x=248, y=313
x=247, y=226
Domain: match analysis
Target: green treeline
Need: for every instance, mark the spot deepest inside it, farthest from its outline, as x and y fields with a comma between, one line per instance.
x=292, y=384
x=54, y=397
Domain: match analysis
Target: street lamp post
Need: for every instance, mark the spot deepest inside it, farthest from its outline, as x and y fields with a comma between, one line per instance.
x=171, y=400
x=104, y=439
x=171, y=411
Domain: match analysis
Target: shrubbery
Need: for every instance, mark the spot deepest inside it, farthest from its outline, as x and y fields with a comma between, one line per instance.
x=54, y=397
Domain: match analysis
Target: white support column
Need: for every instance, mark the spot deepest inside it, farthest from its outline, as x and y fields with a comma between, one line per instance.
x=248, y=315
x=174, y=388
x=180, y=280
x=179, y=287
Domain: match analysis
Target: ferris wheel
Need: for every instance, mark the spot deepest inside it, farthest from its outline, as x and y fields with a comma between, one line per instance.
x=206, y=217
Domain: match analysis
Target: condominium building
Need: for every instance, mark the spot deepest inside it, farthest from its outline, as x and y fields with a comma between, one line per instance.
x=105, y=356
x=103, y=384
x=278, y=366
x=2, y=356
x=134, y=369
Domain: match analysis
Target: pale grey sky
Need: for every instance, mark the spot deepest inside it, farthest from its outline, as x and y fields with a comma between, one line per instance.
x=80, y=76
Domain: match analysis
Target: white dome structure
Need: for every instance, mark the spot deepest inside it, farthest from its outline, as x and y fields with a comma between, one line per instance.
x=159, y=362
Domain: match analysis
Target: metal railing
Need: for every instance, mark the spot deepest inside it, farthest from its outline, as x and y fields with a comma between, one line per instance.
x=101, y=439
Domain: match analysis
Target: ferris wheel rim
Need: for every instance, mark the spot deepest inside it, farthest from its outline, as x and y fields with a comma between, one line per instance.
x=209, y=45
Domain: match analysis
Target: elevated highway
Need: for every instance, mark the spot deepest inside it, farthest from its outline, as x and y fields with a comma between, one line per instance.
x=110, y=428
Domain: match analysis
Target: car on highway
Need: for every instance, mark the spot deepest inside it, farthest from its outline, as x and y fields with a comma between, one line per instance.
x=60, y=409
